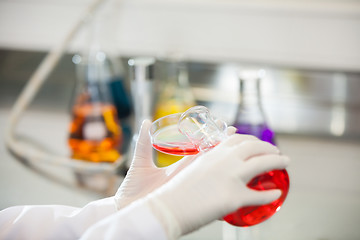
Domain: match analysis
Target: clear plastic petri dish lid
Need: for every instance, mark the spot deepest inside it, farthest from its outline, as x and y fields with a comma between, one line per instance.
x=187, y=133
x=201, y=128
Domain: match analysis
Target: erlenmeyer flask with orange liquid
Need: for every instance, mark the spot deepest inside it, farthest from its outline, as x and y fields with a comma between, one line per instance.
x=94, y=133
x=175, y=97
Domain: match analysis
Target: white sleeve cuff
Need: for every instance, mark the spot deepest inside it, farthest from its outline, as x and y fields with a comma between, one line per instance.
x=167, y=219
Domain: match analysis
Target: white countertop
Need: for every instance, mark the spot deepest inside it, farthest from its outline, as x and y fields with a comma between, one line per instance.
x=323, y=202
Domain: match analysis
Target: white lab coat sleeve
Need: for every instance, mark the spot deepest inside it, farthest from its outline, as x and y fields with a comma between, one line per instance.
x=134, y=222
x=52, y=221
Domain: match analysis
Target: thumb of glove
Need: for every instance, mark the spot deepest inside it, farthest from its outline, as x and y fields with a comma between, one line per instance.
x=143, y=148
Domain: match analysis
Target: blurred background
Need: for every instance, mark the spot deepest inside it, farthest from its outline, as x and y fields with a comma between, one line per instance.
x=309, y=50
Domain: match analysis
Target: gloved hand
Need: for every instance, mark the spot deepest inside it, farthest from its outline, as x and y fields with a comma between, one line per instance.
x=215, y=185
x=143, y=176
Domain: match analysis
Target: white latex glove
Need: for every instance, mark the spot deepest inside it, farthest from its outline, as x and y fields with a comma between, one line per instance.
x=143, y=176
x=215, y=185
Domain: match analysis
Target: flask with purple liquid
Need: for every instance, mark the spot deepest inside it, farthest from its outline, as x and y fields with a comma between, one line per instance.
x=250, y=117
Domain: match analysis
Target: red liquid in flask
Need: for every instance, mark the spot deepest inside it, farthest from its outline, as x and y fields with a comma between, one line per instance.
x=277, y=179
x=251, y=215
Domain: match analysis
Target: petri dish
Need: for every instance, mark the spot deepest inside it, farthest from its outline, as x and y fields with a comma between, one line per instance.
x=166, y=137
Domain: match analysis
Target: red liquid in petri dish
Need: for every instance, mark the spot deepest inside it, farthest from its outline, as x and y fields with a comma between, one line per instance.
x=177, y=149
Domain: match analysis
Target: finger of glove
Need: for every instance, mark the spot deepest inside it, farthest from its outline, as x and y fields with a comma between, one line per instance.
x=143, y=148
x=261, y=164
x=236, y=139
x=248, y=149
x=230, y=130
x=254, y=197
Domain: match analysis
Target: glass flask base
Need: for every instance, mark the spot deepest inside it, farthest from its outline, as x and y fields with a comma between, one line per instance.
x=252, y=215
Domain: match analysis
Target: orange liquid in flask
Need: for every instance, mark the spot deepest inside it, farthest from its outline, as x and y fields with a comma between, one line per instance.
x=95, y=134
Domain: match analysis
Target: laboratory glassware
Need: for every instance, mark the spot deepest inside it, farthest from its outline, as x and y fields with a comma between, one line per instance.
x=175, y=97
x=141, y=71
x=251, y=119
x=118, y=89
x=195, y=131
x=187, y=133
x=167, y=138
x=94, y=133
x=121, y=98
x=31, y=154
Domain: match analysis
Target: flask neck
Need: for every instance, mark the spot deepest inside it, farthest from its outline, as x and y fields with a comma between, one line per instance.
x=250, y=109
x=92, y=81
x=175, y=93
x=251, y=118
x=250, y=95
